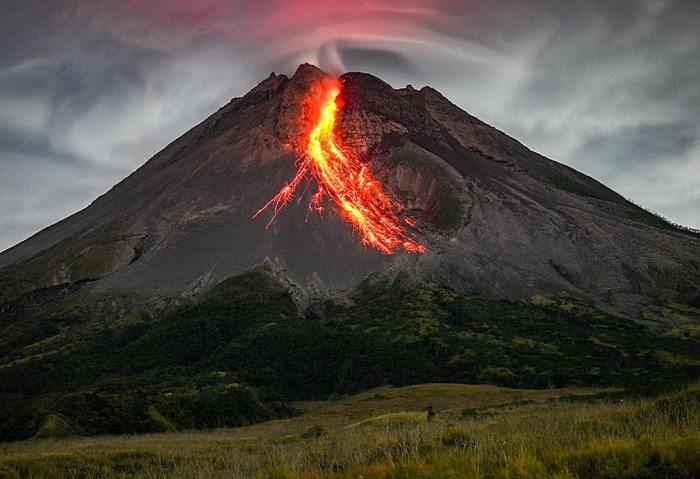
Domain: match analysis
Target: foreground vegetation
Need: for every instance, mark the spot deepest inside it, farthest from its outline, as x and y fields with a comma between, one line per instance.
x=243, y=352
x=477, y=432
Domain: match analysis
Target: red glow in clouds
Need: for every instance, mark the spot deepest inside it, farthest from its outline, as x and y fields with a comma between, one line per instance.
x=341, y=175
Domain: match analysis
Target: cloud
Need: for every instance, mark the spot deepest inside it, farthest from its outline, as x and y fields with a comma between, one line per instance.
x=35, y=193
x=139, y=114
x=92, y=89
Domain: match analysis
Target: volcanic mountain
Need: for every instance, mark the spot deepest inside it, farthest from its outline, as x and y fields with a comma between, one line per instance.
x=494, y=218
x=323, y=236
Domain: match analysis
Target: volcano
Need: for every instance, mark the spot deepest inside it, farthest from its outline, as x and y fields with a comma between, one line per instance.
x=481, y=213
x=323, y=236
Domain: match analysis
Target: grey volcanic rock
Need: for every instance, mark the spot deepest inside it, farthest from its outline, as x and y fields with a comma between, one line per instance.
x=496, y=218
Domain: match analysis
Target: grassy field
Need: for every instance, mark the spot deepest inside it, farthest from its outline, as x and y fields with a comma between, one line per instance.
x=477, y=431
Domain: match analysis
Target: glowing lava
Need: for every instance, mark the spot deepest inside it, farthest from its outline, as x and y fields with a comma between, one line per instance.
x=340, y=174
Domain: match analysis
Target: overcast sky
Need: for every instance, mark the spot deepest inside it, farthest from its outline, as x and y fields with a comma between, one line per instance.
x=90, y=89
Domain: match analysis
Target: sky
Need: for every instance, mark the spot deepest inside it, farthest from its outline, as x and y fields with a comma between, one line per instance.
x=91, y=89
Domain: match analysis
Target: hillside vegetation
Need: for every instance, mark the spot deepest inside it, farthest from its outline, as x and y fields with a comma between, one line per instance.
x=243, y=353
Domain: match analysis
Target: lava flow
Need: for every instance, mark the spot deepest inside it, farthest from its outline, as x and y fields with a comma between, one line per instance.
x=340, y=174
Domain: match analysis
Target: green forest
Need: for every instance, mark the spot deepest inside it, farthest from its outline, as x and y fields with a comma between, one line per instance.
x=244, y=351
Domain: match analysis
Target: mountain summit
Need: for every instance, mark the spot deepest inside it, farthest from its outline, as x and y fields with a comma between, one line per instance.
x=494, y=218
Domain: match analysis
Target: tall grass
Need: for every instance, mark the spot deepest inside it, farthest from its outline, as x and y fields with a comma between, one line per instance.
x=657, y=437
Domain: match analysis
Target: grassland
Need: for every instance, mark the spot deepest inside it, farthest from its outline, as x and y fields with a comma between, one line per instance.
x=478, y=431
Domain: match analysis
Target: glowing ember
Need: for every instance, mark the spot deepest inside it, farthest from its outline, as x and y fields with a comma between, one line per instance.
x=340, y=174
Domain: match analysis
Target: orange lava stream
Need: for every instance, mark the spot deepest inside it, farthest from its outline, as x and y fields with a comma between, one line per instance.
x=342, y=176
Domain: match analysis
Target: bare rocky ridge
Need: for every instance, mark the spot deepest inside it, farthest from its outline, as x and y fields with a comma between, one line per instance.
x=497, y=219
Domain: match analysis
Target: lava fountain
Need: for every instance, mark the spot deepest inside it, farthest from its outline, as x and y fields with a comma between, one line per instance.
x=341, y=175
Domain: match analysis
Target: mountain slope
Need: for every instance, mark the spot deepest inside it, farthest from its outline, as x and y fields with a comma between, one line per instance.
x=165, y=305
x=496, y=218
x=242, y=352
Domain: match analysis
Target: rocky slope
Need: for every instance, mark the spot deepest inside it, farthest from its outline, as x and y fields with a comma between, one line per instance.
x=497, y=219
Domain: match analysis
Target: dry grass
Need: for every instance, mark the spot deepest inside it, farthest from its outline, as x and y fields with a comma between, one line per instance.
x=384, y=433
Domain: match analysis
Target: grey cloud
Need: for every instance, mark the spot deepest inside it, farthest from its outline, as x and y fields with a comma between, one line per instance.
x=642, y=144
x=37, y=191
x=366, y=59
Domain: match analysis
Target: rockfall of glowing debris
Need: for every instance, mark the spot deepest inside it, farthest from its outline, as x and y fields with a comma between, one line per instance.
x=341, y=175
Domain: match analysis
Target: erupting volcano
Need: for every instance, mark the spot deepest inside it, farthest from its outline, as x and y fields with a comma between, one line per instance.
x=342, y=176
x=498, y=219
x=166, y=283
